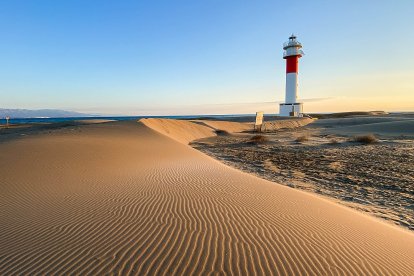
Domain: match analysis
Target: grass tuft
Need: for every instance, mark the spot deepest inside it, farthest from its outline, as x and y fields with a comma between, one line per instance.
x=301, y=139
x=333, y=141
x=366, y=139
x=257, y=139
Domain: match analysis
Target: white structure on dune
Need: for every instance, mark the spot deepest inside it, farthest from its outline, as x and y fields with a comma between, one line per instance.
x=292, y=52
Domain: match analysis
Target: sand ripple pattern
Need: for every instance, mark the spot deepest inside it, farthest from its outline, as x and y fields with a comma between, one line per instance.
x=121, y=199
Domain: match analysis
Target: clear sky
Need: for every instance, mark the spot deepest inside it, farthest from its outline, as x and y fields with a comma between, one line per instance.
x=204, y=56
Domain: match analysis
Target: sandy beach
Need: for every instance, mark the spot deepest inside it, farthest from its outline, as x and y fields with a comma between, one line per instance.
x=135, y=198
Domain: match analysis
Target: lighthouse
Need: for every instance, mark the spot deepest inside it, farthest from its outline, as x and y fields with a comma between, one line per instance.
x=292, y=53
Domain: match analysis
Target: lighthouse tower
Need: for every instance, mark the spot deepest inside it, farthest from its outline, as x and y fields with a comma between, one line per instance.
x=292, y=52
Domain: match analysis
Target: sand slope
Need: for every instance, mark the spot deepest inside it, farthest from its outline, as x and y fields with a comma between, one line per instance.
x=186, y=131
x=180, y=130
x=121, y=198
x=230, y=127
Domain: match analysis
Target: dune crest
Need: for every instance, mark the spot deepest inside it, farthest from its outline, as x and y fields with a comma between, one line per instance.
x=120, y=198
x=186, y=131
x=180, y=130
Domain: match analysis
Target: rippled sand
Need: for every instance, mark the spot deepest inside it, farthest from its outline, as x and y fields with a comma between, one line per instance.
x=122, y=198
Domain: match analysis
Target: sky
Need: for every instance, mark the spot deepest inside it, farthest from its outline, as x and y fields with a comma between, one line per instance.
x=204, y=57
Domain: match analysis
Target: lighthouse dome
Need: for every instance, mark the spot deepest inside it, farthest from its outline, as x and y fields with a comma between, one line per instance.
x=292, y=43
x=292, y=47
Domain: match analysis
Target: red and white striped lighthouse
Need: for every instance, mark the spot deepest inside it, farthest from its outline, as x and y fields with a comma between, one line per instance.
x=292, y=53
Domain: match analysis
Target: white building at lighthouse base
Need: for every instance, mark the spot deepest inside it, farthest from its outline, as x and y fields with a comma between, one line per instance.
x=291, y=109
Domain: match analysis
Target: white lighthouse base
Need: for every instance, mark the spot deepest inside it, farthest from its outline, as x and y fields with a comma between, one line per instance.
x=291, y=110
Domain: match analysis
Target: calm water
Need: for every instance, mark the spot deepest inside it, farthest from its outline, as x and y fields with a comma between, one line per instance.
x=116, y=118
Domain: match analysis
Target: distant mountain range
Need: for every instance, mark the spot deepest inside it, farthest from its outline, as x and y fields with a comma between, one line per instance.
x=40, y=113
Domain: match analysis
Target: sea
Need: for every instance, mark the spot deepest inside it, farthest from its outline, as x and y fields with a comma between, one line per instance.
x=115, y=118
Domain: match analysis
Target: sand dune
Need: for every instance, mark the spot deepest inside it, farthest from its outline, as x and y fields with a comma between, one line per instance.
x=179, y=130
x=227, y=126
x=122, y=198
x=286, y=124
x=187, y=131
x=93, y=121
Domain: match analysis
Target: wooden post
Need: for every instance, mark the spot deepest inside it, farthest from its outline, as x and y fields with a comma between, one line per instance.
x=259, y=121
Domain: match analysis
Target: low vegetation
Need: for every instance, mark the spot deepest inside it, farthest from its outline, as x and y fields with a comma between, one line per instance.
x=302, y=138
x=333, y=141
x=365, y=139
x=257, y=139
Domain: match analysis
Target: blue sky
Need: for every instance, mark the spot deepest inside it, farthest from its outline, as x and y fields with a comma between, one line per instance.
x=210, y=57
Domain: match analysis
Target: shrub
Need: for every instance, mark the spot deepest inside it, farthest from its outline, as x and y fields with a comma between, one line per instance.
x=259, y=139
x=366, y=139
x=333, y=141
x=302, y=138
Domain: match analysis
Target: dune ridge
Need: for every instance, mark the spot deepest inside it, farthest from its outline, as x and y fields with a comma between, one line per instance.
x=186, y=131
x=120, y=198
x=180, y=130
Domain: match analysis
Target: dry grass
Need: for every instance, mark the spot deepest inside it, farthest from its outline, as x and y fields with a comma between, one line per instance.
x=257, y=139
x=302, y=138
x=333, y=141
x=365, y=139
